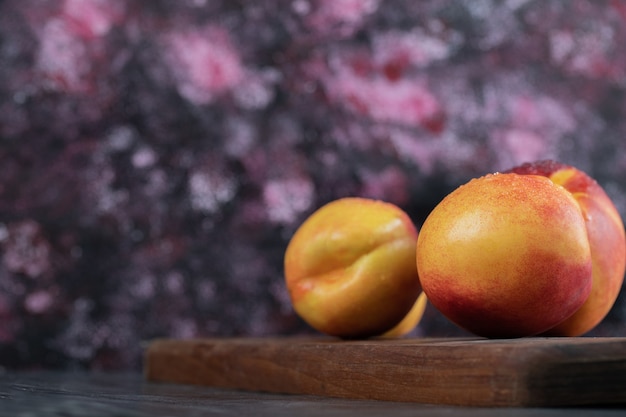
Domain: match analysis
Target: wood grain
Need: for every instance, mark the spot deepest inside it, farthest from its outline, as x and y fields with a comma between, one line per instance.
x=469, y=372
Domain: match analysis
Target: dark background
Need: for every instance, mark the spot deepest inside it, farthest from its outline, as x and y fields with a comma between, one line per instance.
x=155, y=157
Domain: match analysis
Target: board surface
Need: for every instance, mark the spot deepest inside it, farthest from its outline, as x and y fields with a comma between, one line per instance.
x=468, y=372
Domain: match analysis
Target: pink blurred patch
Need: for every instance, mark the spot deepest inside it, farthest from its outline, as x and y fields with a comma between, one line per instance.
x=343, y=16
x=535, y=124
x=422, y=153
x=71, y=45
x=380, y=86
x=285, y=199
x=26, y=250
x=92, y=18
x=39, y=302
x=209, y=190
x=391, y=185
x=590, y=52
x=519, y=146
x=63, y=59
x=395, y=51
x=403, y=101
x=204, y=63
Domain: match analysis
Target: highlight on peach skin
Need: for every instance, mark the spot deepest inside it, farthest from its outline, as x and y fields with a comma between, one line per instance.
x=350, y=269
x=506, y=255
x=605, y=232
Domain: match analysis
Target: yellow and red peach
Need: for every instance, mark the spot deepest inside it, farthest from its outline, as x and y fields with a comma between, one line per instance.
x=605, y=231
x=506, y=255
x=350, y=268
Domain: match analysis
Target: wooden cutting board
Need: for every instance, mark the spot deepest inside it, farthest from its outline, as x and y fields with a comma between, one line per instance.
x=467, y=372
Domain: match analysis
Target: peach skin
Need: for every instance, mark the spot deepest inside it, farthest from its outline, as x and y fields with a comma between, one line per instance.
x=350, y=268
x=410, y=321
x=506, y=255
x=605, y=231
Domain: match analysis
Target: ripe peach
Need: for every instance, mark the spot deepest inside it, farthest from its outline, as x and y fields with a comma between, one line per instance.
x=350, y=268
x=605, y=231
x=410, y=321
x=506, y=255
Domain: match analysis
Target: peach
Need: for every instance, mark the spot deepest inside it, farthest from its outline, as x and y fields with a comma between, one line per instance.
x=506, y=255
x=350, y=268
x=605, y=231
x=410, y=321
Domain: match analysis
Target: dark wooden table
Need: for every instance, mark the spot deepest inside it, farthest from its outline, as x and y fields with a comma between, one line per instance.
x=129, y=395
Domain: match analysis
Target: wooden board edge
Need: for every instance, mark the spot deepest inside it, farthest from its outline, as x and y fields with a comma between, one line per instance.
x=205, y=362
